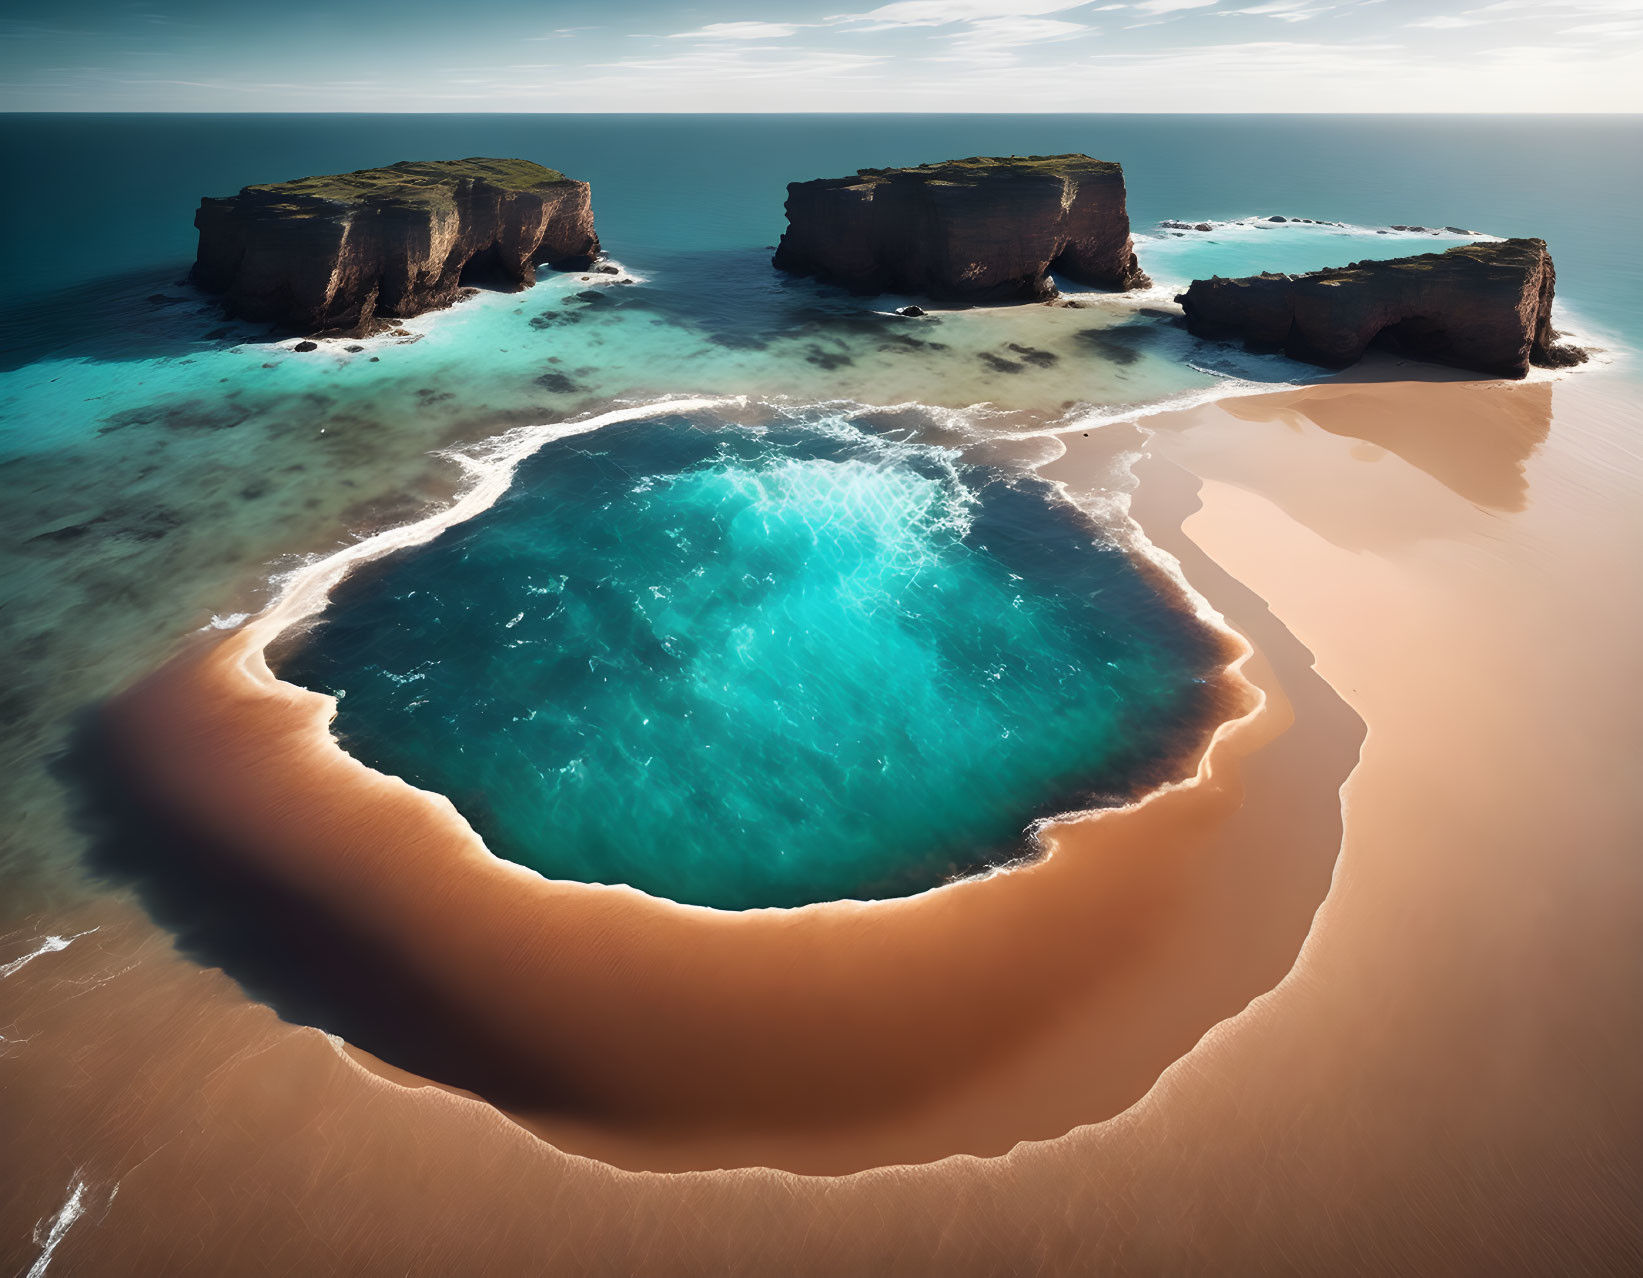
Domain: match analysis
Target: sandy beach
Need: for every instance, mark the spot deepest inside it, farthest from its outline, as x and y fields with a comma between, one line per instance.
x=1309, y=1013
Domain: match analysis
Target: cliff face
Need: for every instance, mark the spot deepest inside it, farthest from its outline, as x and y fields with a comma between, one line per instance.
x=1486, y=307
x=344, y=252
x=965, y=230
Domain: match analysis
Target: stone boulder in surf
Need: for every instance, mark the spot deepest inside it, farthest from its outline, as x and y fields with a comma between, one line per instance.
x=976, y=230
x=1485, y=307
x=354, y=250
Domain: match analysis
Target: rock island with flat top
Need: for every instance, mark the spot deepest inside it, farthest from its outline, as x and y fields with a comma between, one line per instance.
x=986, y=229
x=1485, y=307
x=350, y=251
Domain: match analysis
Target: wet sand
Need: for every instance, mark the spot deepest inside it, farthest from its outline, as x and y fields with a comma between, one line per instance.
x=1444, y=1083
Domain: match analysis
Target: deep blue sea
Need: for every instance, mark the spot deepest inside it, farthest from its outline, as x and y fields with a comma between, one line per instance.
x=832, y=641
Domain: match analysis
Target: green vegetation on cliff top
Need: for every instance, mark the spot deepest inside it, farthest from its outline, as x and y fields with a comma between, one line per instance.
x=1512, y=254
x=414, y=181
x=981, y=166
x=1519, y=254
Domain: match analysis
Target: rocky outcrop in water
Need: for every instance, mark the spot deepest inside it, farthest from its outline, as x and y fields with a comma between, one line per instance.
x=1485, y=307
x=349, y=251
x=977, y=230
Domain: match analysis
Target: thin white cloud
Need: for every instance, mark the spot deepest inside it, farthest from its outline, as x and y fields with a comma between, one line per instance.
x=1560, y=12
x=1624, y=26
x=1172, y=6
x=740, y=31
x=933, y=55
x=940, y=13
x=1003, y=33
x=561, y=33
x=740, y=62
x=1280, y=10
x=1534, y=8
x=975, y=31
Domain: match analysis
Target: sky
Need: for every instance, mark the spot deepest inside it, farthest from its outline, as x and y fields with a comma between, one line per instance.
x=908, y=55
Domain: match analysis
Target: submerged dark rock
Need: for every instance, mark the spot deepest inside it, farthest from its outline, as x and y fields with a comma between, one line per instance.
x=1485, y=307
x=982, y=229
x=1122, y=346
x=902, y=343
x=826, y=359
x=345, y=252
x=998, y=364
x=1032, y=355
x=559, y=383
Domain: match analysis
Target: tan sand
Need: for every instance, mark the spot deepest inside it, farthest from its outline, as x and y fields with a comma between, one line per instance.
x=666, y=1037
x=1445, y=1083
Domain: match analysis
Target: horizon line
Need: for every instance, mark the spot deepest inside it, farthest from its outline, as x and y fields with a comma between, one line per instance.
x=1572, y=111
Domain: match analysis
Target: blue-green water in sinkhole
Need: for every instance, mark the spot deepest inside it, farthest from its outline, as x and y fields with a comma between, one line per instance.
x=764, y=666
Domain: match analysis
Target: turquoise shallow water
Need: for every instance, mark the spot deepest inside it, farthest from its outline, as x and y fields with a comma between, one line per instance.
x=742, y=667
